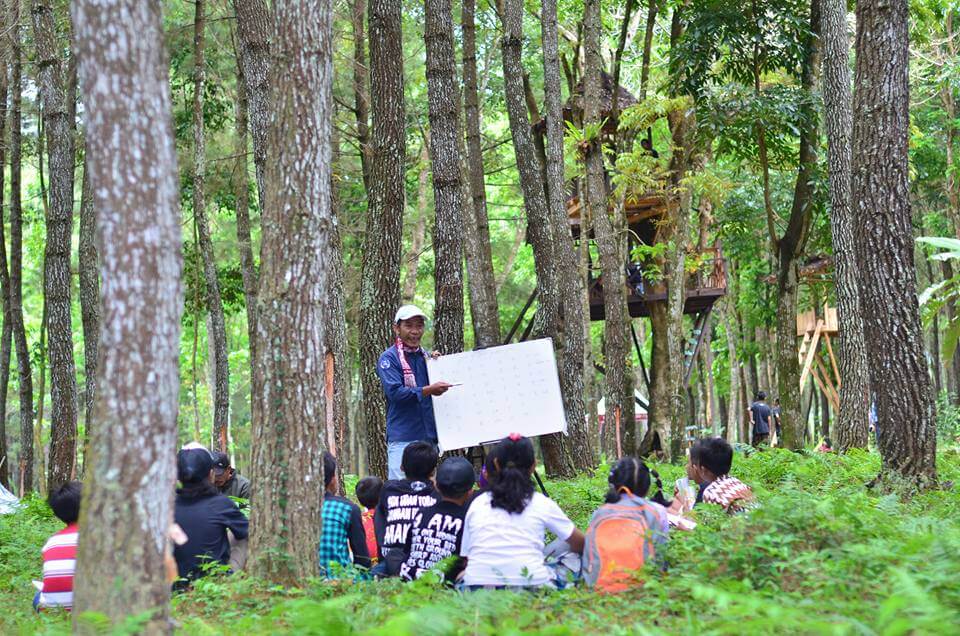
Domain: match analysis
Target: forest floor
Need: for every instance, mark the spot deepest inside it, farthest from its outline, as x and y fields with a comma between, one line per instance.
x=822, y=554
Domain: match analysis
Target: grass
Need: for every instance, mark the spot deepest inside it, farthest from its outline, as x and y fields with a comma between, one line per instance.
x=822, y=555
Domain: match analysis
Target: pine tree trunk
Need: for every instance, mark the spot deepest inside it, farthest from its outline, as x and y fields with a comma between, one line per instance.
x=881, y=191
x=484, y=310
x=241, y=189
x=89, y=265
x=557, y=459
x=851, y=426
x=24, y=373
x=59, y=221
x=571, y=343
x=218, y=328
x=448, y=185
x=133, y=174
x=6, y=333
x=254, y=31
x=412, y=259
x=298, y=255
x=790, y=247
x=361, y=94
x=611, y=243
x=734, y=406
x=383, y=242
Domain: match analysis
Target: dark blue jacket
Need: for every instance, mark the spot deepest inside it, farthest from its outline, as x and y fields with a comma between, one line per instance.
x=409, y=413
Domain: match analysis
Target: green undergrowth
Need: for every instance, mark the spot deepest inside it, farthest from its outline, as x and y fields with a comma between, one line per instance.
x=823, y=554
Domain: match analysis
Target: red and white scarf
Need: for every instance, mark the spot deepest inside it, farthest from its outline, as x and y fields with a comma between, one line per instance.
x=408, y=378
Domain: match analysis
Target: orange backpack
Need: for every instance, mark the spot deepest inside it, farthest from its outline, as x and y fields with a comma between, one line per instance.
x=621, y=538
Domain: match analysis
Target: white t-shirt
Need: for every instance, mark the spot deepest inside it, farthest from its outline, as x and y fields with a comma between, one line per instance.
x=507, y=549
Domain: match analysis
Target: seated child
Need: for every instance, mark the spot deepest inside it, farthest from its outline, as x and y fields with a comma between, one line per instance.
x=60, y=550
x=203, y=514
x=400, y=502
x=825, y=446
x=437, y=531
x=342, y=528
x=624, y=532
x=709, y=465
x=503, y=537
x=368, y=494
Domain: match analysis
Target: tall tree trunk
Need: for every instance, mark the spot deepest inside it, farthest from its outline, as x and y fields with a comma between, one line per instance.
x=218, y=328
x=790, y=246
x=412, y=260
x=254, y=31
x=361, y=94
x=851, y=426
x=572, y=343
x=133, y=175
x=734, y=406
x=6, y=337
x=383, y=242
x=24, y=373
x=446, y=157
x=88, y=259
x=609, y=229
x=484, y=310
x=881, y=191
x=59, y=220
x=241, y=189
x=299, y=235
x=557, y=457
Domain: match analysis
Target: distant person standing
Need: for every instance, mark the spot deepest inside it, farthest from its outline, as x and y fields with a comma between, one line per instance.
x=775, y=417
x=760, y=416
x=403, y=373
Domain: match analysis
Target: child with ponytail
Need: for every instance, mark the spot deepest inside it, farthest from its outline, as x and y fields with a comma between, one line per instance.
x=626, y=531
x=503, y=536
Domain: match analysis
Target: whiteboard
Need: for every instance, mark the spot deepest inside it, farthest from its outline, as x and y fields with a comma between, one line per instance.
x=508, y=389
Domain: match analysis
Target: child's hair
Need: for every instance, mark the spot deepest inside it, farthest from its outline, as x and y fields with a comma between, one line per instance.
x=511, y=487
x=714, y=454
x=628, y=474
x=65, y=501
x=826, y=440
x=368, y=491
x=329, y=468
x=419, y=461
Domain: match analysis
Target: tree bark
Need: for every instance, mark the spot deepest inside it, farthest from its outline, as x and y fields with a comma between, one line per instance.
x=446, y=157
x=412, y=260
x=254, y=31
x=851, y=425
x=791, y=245
x=298, y=255
x=484, y=310
x=361, y=94
x=383, y=240
x=59, y=221
x=734, y=405
x=218, y=328
x=88, y=259
x=571, y=343
x=133, y=175
x=24, y=373
x=881, y=191
x=241, y=189
x=611, y=243
x=6, y=337
x=557, y=458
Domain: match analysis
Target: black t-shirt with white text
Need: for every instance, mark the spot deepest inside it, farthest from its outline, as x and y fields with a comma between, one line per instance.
x=436, y=534
x=401, y=500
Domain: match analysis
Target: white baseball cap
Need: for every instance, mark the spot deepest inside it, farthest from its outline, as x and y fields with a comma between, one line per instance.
x=407, y=312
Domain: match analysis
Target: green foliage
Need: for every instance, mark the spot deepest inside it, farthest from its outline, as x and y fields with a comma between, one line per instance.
x=822, y=554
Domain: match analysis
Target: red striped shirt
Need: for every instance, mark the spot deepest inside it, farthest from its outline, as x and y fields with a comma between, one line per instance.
x=59, y=563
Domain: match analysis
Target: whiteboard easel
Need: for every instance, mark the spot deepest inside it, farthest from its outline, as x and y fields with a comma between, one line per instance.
x=507, y=389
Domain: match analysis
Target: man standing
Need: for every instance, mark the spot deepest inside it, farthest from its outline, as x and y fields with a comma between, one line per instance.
x=760, y=416
x=403, y=373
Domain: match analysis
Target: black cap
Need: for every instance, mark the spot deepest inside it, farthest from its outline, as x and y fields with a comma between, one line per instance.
x=455, y=477
x=221, y=461
x=193, y=464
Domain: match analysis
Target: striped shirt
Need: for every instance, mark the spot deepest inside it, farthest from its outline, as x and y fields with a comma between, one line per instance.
x=59, y=562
